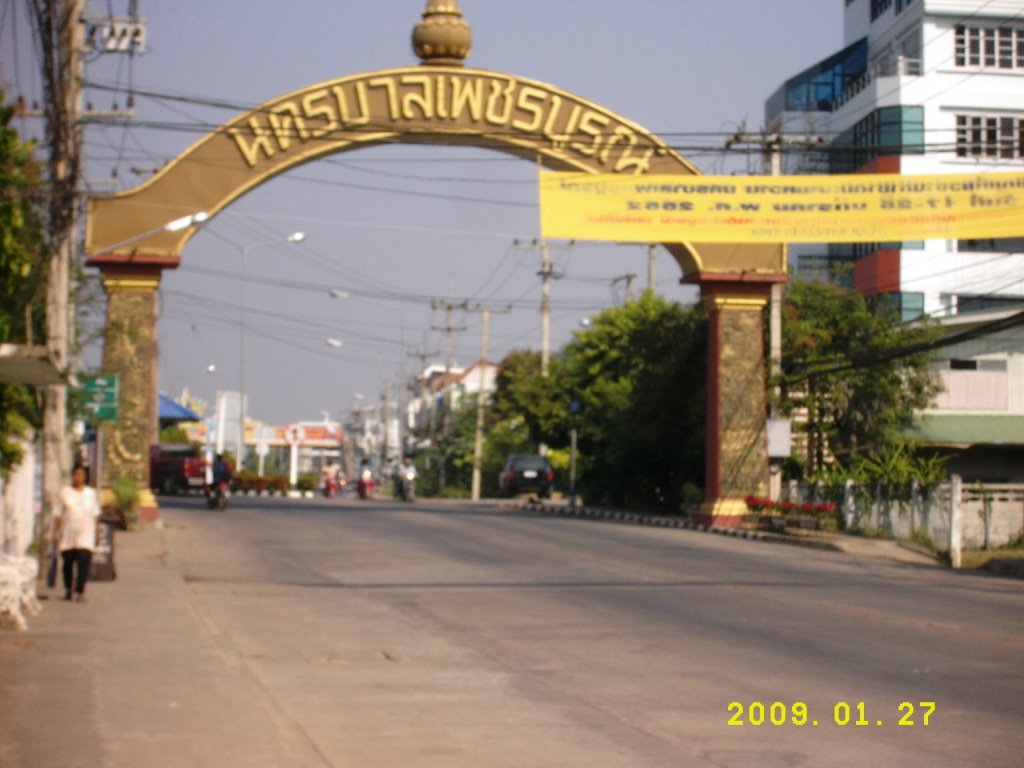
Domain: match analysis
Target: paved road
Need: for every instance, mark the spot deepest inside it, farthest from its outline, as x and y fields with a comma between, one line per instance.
x=371, y=634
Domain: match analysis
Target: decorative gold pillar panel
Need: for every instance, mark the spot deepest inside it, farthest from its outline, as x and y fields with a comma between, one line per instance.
x=744, y=447
x=129, y=351
x=737, y=445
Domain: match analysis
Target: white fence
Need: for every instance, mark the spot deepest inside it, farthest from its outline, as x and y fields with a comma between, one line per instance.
x=983, y=515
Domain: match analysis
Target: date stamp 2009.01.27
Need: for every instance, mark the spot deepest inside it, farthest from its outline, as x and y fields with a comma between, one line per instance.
x=843, y=713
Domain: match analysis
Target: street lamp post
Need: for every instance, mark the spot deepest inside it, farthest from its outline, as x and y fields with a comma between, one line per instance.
x=294, y=238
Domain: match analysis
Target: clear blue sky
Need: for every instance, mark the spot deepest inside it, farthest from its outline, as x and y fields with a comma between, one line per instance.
x=677, y=67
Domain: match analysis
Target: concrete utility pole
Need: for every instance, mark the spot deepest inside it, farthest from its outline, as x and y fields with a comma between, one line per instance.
x=385, y=394
x=547, y=272
x=652, y=267
x=628, y=280
x=478, y=438
x=449, y=328
x=60, y=25
x=423, y=355
x=771, y=145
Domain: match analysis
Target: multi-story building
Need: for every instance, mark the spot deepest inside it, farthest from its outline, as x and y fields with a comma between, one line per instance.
x=921, y=86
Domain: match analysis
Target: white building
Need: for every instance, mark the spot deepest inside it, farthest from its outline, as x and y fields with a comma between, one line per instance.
x=979, y=415
x=921, y=86
x=460, y=385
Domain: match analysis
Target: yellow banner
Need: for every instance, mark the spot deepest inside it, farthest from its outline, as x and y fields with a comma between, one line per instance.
x=781, y=209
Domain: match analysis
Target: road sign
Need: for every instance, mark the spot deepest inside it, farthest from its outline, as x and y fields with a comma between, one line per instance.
x=294, y=434
x=101, y=396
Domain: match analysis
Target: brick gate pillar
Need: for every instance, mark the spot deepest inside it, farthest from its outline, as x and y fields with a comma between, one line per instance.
x=129, y=350
x=737, y=407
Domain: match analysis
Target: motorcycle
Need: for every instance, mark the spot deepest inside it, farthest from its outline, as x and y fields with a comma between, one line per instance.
x=330, y=488
x=406, y=483
x=365, y=485
x=217, y=496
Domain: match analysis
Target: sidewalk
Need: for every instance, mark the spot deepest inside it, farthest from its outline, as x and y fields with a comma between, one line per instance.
x=132, y=677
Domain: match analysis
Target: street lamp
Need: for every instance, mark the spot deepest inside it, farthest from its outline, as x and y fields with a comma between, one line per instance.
x=293, y=239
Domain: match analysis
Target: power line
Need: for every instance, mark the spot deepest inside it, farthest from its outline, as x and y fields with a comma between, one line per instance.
x=878, y=358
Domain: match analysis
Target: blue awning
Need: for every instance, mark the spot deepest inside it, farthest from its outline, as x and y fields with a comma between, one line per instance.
x=174, y=411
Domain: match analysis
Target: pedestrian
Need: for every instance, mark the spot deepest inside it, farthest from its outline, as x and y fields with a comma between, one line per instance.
x=75, y=532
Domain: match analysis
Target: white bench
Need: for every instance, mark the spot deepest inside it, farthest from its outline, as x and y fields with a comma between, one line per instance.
x=18, y=588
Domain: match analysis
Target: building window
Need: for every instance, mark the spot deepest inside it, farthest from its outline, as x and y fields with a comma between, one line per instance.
x=994, y=47
x=902, y=5
x=992, y=245
x=886, y=131
x=817, y=88
x=989, y=136
x=969, y=303
x=878, y=7
x=908, y=306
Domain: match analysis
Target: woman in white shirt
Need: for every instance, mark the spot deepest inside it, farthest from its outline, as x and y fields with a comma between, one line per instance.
x=75, y=532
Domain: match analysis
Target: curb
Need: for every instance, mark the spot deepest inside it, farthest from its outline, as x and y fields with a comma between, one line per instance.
x=634, y=518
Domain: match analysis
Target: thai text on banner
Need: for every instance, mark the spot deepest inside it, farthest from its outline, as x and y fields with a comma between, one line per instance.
x=777, y=209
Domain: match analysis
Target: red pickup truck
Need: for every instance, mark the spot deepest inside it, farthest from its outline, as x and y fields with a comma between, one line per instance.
x=176, y=467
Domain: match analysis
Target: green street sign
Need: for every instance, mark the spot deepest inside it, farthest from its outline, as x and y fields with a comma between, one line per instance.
x=106, y=413
x=100, y=395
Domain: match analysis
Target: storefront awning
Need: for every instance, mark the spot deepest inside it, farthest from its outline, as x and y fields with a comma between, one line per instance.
x=22, y=364
x=171, y=410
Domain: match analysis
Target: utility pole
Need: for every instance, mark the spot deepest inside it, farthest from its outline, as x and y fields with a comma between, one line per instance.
x=652, y=266
x=449, y=328
x=423, y=355
x=384, y=396
x=547, y=272
x=771, y=145
x=478, y=437
x=628, y=280
x=61, y=29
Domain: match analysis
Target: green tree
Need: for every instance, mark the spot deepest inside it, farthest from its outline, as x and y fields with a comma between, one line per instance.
x=22, y=278
x=533, y=408
x=844, y=366
x=639, y=376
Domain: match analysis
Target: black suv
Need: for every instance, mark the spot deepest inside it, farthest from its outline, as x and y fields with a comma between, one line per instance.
x=526, y=472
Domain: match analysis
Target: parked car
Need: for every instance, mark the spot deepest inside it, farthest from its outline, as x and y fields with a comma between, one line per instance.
x=526, y=472
x=176, y=467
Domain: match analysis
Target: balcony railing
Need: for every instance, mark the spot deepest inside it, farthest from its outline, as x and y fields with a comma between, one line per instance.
x=888, y=67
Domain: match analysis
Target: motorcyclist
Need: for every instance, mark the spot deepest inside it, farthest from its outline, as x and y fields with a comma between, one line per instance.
x=406, y=478
x=221, y=471
x=365, y=485
x=217, y=492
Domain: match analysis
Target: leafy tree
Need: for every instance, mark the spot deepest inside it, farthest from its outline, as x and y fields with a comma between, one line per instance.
x=639, y=376
x=534, y=408
x=22, y=278
x=844, y=367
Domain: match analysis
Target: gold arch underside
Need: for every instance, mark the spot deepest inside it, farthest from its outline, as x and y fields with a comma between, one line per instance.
x=409, y=105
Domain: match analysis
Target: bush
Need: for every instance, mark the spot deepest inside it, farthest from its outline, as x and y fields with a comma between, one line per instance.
x=126, y=497
x=307, y=481
x=763, y=505
x=246, y=482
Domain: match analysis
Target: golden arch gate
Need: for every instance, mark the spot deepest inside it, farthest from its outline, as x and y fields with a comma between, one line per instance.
x=428, y=104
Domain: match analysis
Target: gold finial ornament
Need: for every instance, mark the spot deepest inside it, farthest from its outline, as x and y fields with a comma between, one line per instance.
x=442, y=37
